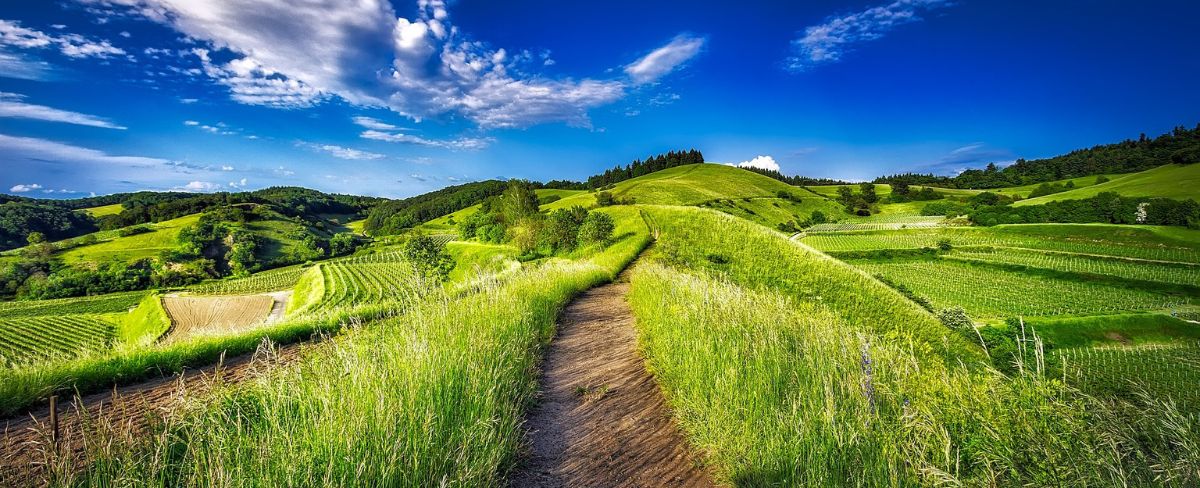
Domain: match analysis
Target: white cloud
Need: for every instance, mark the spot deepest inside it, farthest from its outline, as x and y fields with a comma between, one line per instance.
x=375, y=124
x=343, y=152
x=191, y=123
x=238, y=184
x=13, y=106
x=294, y=55
x=24, y=188
x=829, y=41
x=466, y=143
x=199, y=186
x=18, y=67
x=760, y=162
x=226, y=168
x=12, y=34
x=665, y=59
x=44, y=150
x=188, y=101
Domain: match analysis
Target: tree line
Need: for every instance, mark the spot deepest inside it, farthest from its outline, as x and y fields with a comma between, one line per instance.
x=1180, y=146
x=644, y=167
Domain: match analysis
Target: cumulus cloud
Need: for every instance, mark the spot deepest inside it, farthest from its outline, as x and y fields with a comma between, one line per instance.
x=829, y=41
x=760, y=162
x=23, y=188
x=463, y=143
x=665, y=59
x=12, y=105
x=199, y=187
x=13, y=34
x=294, y=55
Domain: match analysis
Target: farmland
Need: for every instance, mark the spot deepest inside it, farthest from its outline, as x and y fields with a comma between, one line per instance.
x=46, y=337
x=266, y=281
x=193, y=316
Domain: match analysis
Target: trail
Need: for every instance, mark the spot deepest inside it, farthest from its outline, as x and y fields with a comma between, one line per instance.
x=601, y=420
x=129, y=410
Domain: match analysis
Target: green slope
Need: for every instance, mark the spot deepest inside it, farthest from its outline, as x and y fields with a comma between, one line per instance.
x=687, y=185
x=1169, y=181
x=132, y=248
x=101, y=211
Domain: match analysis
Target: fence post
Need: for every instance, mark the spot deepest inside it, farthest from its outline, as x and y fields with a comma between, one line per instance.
x=54, y=435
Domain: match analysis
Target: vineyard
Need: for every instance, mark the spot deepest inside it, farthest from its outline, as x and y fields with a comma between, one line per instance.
x=1177, y=273
x=350, y=283
x=37, y=338
x=1161, y=370
x=113, y=303
x=1022, y=237
x=989, y=292
x=266, y=281
x=896, y=222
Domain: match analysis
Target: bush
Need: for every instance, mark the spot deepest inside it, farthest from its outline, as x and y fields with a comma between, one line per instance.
x=597, y=228
x=429, y=257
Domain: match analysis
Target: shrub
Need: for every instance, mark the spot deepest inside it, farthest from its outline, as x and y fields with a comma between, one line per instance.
x=597, y=227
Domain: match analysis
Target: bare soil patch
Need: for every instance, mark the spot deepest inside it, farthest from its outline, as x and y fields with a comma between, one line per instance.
x=601, y=420
x=193, y=316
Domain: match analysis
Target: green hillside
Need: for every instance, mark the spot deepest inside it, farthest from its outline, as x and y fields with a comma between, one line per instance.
x=101, y=211
x=1168, y=181
x=686, y=185
x=134, y=247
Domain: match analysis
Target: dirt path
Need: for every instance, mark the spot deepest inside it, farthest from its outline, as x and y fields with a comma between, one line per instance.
x=601, y=420
x=280, y=306
x=26, y=445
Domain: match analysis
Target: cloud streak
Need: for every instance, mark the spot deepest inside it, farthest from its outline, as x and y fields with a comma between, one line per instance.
x=13, y=106
x=13, y=34
x=665, y=59
x=828, y=42
x=462, y=143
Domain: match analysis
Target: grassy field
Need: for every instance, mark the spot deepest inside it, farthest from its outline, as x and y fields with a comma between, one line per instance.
x=474, y=259
x=771, y=211
x=102, y=211
x=1168, y=181
x=686, y=185
x=793, y=380
x=262, y=282
x=134, y=247
x=995, y=293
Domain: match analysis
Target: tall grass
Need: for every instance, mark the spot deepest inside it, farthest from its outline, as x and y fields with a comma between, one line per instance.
x=781, y=388
x=432, y=397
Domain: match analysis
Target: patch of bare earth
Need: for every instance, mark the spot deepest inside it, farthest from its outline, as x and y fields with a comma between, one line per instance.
x=90, y=423
x=601, y=420
x=193, y=316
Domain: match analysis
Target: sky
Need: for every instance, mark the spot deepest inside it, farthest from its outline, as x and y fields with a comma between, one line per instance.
x=403, y=97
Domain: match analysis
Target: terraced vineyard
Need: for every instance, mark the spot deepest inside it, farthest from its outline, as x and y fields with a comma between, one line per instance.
x=33, y=338
x=896, y=222
x=112, y=303
x=266, y=281
x=1171, y=370
x=363, y=282
x=989, y=292
x=1176, y=273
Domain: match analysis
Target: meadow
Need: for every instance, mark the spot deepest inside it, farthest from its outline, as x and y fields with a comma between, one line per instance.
x=1167, y=181
x=791, y=380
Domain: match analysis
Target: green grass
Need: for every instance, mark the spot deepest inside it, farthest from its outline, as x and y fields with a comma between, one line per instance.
x=777, y=388
x=309, y=290
x=432, y=397
x=443, y=223
x=144, y=324
x=105, y=210
x=831, y=191
x=988, y=292
x=1166, y=371
x=278, y=279
x=474, y=258
x=135, y=247
x=356, y=226
x=1173, y=273
x=1113, y=330
x=772, y=211
x=1168, y=181
x=1142, y=242
x=686, y=185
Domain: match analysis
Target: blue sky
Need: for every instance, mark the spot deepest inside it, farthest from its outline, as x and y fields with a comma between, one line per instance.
x=399, y=98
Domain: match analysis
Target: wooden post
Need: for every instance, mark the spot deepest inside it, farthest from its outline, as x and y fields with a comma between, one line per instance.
x=54, y=437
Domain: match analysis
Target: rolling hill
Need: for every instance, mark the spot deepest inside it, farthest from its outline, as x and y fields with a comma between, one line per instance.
x=686, y=185
x=1177, y=181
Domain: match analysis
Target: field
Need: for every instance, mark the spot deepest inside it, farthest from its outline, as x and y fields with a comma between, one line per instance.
x=1159, y=370
x=1174, y=273
x=991, y=293
x=262, y=282
x=194, y=316
x=687, y=185
x=772, y=211
x=1168, y=181
x=134, y=247
x=46, y=337
x=100, y=304
x=102, y=211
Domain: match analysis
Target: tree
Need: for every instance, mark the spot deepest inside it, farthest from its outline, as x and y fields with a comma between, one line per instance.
x=428, y=257
x=604, y=199
x=518, y=202
x=341, y=243
x=35, y=238
x=561, y=230
x=868, y=192
x=596, y=228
